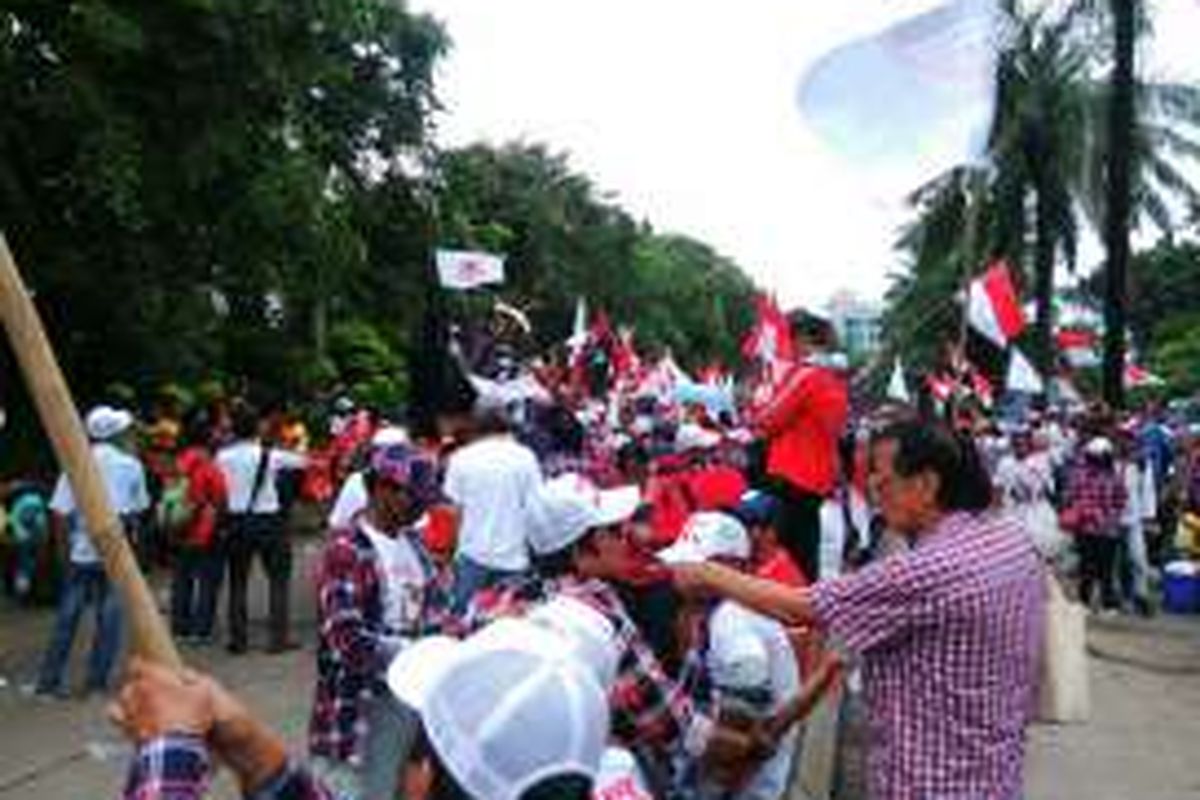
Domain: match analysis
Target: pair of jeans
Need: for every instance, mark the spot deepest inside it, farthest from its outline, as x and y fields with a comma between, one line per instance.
x=85, y=585
x=391, y=733
x=471, y=577
x=261, y=535
x=1097, y=563
x=198, y=573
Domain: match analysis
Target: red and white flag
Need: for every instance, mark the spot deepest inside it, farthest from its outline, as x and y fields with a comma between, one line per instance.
x=462, y=269
x=993, y=307
x=770, y=341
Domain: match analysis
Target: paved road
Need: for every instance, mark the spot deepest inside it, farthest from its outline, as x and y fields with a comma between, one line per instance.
x=1140, y=744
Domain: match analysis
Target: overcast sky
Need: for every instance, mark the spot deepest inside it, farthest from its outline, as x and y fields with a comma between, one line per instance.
x=686, y=111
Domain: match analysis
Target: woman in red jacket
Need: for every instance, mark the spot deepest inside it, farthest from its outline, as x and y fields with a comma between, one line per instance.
x=801, y=423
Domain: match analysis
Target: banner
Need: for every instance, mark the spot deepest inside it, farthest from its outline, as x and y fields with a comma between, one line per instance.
x=462, y=269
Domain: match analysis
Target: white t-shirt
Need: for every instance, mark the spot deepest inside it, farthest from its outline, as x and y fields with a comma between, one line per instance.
x=727, y=623
x=833, y=532
x=492, y=482
x=239, y=462
x=402, y=580
x=351, y=499
x=1026, y=480
x=125, y=480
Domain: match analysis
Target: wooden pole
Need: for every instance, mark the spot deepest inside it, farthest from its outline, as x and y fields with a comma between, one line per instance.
x=150, y=636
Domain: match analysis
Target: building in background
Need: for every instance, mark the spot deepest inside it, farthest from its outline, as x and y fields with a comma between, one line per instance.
x=858, y=323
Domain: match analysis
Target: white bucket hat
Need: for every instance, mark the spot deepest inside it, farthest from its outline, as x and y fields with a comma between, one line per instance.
x=501, y=715
x=565, y=508
x=106, y=422
x=706, y=535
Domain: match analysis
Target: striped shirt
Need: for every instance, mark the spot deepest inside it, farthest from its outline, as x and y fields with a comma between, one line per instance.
x=948, y=635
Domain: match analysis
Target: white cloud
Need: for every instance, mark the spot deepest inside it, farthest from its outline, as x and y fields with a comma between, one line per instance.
x=686, y=111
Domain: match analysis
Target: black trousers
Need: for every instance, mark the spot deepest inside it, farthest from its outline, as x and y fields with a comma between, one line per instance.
x=197, y=581
x=260, y=535
x=798, y=527
x=1097, y=564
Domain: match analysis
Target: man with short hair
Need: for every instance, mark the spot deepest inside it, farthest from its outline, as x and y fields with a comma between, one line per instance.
x=86, y=583
x=490, y=481
x=255, y=527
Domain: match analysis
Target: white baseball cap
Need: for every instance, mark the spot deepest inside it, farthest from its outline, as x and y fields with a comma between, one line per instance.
x=563, y=509
x=502, y=716
x=390, y=435
x=105, y=422
x=706, y=535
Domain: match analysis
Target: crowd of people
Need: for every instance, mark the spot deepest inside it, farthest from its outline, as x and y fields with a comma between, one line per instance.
x=603, y=592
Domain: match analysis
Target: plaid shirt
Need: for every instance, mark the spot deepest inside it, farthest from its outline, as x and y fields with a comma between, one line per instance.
x=354, y=645
x=949, y=636
x=1097, y=497
x=177, y=767
x=651, y=714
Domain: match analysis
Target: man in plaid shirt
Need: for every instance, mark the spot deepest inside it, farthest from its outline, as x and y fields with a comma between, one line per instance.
x=378, y=590
x=948, y=633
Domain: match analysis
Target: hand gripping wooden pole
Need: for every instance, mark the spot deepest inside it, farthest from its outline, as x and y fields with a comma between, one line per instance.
x=150, y=639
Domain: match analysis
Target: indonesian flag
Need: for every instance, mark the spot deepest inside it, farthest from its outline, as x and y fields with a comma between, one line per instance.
x=1078, y=346
x=982, y=388
x=626, y=363
x=993, y=308
x=462, y=269
x=770, y=341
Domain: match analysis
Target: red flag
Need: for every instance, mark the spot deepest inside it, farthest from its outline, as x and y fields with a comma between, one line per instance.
x=770, y=341
x=993, y=307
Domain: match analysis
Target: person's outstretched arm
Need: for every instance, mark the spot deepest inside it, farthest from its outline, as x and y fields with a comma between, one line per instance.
x=791, y=606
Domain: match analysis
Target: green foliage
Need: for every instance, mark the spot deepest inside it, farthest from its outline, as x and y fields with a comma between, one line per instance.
x=248, y=193
x=563, y=239
x=1176, y=353
x=1048, y=150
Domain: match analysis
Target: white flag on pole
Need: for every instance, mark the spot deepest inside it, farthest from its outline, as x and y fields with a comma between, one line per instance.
x=463, y=269
x=897, y=389
x=1022, y=377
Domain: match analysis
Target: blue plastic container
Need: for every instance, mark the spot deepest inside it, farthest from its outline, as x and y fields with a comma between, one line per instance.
x=1181, y=594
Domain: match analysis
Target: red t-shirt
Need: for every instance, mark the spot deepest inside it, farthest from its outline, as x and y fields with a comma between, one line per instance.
x=206, y=494
x=780, y=567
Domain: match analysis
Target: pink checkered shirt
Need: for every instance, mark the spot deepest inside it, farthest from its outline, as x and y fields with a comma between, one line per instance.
x=948, y=636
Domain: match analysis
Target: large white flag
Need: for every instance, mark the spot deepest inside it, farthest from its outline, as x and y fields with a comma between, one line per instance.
x=463, y=269
x=1022, y=377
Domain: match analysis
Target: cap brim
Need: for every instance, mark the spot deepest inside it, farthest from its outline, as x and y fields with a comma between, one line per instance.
x=417, y=669
x=617, y=505
x=682, y=552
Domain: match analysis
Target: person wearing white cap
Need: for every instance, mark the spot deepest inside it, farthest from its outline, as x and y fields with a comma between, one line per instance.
x=86, y=583
x=575, y=533
x=503, y=715
x=731, y=663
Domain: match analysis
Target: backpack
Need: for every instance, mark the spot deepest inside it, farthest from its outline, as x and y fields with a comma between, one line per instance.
x=175, y=508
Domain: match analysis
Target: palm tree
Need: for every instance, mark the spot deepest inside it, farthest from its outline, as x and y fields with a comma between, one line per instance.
x=1049, y=172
